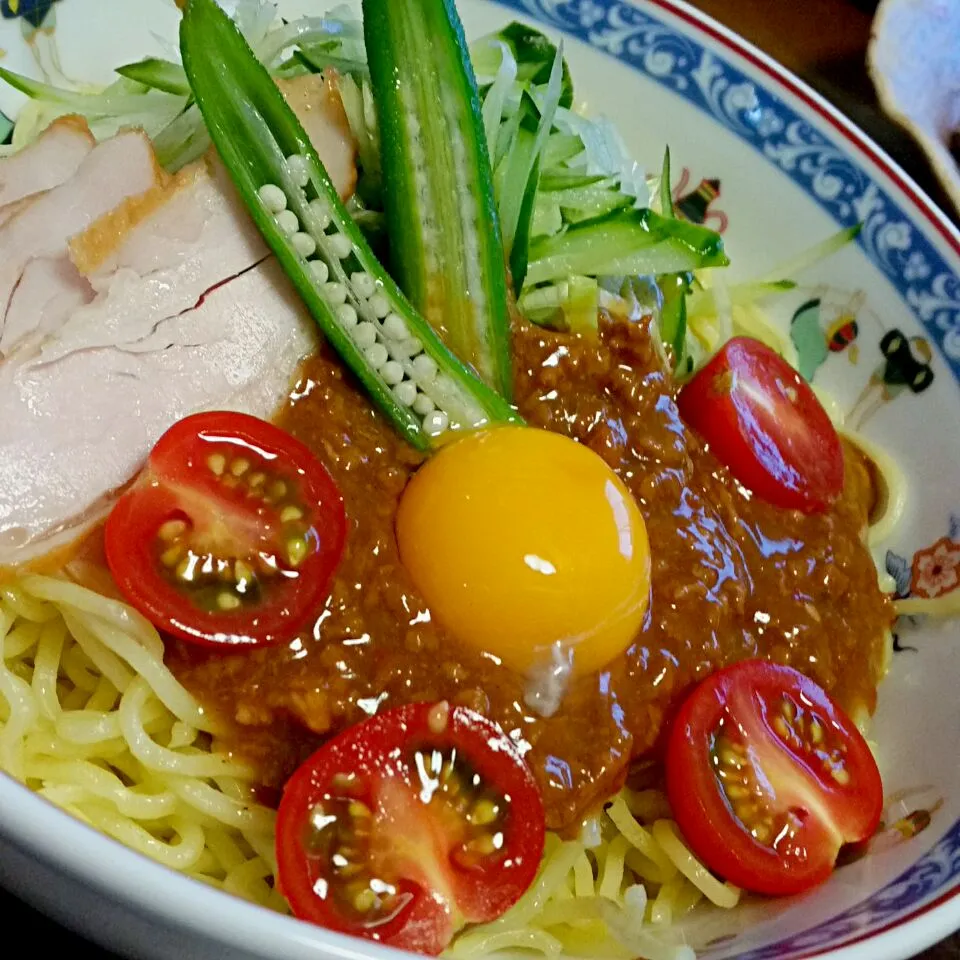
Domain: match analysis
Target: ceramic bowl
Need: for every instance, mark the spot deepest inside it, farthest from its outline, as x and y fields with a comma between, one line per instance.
x=762, y=159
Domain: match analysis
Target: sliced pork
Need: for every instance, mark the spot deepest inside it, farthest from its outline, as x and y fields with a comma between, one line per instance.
x=166, y=304
x=316, y=101
x=157, y=259
x=50, y=160
x=115, y=171
x=77, y=429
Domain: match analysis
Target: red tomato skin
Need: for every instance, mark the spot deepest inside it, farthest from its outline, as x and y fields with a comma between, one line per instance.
x=703, y=814
x=786, y=452
x=480, y=894
x=175, y=467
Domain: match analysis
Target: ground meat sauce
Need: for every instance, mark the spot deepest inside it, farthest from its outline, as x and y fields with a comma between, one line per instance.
x=732, y=578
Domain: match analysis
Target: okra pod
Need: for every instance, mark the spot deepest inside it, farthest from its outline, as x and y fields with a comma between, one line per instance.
x=447, y=248
x=406, y=368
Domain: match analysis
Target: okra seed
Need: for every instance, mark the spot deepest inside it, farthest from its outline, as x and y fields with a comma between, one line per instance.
x=304, y=244
x=299, y=169
x=341, y=246
x=320, y=271
x=406, y=393
x=395, y=328
x=422, y=405
x=272, y=197
x=424, y=368
x=376, y=355
x=347, y=316
x=335, y=293
x=379, y=305
x=365, y=335
x=287, y=222
x=414, y=346
x=364, y=284
x=321, y=211
x=444, y=385
x=392, y=373
x=435, y=423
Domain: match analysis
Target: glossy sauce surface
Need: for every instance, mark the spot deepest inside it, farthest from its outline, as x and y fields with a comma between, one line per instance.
x=731, y=578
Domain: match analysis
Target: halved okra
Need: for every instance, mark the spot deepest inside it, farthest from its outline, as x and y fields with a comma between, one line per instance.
x=408, y=371
x=448, y=253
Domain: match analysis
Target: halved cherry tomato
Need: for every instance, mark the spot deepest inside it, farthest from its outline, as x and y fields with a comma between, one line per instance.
x=768, y=778
x=762, y=420
x=231, y=533
x=403, y=828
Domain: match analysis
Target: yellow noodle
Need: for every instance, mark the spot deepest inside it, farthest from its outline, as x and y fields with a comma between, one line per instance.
x=24, y=606
x=639, y=837
x=21, y=640
x=484, y=944
x=583, y=876
x=129, y=765
x=80, y=671
x=104, y=785
x=151, y=754
x=721, y=894
x=947, y=605
x=611, y=875
x=46, y=664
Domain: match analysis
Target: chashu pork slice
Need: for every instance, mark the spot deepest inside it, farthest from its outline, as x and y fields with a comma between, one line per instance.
x=157, y=256
x=316, y=101
x=77, y=428
x=52, y=159
x=115, y=171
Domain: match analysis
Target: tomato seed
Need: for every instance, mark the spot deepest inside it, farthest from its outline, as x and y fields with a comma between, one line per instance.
x=816, y=732
x=228, y=601
x=840, y=775
x=291, y=513
x=438, y=717
x=239, y=467
x=217, y=462
x=788, y=710
x=242, y=573
x=256, y=479
x=278, y=490
x=365, y=901
x=297, y=551
x=359, y=810
x=171, y=556
x=172, y=530
x=484, y=813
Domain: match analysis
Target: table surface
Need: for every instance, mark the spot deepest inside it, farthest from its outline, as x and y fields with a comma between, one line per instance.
x=824, y=42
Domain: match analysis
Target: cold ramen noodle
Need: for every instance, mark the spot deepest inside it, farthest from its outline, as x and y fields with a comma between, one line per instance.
x=385, y=537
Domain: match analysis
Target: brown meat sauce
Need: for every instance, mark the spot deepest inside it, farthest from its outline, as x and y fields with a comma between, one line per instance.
x=732, y=578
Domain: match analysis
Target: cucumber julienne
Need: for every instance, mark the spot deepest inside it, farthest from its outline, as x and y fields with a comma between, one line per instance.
x=408, y=371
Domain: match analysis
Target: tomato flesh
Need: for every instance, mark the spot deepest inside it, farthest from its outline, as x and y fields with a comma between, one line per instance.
x=768, y=778
x=231, y=533
x=762, y=420
x=407, y=826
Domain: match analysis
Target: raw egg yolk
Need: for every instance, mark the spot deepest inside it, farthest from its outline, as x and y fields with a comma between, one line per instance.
x=525, y=544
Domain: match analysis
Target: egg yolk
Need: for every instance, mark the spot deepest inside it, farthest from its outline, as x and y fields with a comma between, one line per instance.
x=526, y=545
